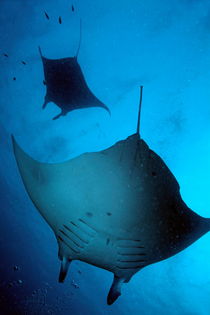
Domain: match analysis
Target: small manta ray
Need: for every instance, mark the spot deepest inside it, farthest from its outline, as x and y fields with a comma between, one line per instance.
x=119, y=209
x=66, y=85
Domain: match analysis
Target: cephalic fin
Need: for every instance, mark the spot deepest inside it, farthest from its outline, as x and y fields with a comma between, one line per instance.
x=62, y=113
x=115, y=290
x=64, y=268
x=40, y=51
x=139, y=112
x=46, y=101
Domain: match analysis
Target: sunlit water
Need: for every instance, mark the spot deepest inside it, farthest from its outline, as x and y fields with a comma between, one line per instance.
x=162, y=45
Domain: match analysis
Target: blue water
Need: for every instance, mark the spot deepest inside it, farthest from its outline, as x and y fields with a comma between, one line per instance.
x=162, y=45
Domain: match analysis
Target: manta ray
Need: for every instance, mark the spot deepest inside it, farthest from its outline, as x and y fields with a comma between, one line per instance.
x=66, y=86
x=119, y=209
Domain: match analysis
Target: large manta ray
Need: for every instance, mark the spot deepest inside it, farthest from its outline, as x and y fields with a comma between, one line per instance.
x=119, y=209
x=66, y=86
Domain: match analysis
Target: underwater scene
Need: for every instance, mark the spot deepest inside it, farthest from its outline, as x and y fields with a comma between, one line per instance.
x=105, y=157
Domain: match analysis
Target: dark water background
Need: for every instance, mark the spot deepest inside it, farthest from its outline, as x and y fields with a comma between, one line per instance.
x=163, y=45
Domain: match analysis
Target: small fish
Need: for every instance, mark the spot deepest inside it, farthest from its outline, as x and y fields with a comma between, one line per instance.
x=15, y=268
x=60, y=21
x=14, y=79
x=5, y=55
x=72, y=8
x=23, y=62
x=47, y=16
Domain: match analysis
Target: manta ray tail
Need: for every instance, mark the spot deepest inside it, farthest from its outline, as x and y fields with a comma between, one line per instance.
x=80, y=39
x=40, y=51
x=139, y=113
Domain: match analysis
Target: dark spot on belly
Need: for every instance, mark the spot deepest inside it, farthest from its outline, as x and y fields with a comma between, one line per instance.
x=109, y=213
x=89, y=214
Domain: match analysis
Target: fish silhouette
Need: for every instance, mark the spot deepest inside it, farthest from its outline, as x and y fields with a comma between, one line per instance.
x=46, y=15
x=119, y=209
x=66, y=85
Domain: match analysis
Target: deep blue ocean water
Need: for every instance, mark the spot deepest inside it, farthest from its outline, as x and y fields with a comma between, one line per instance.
x=162, y=45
